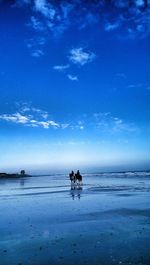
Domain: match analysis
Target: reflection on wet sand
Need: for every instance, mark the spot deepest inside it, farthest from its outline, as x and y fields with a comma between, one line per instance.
x=76, y=190
x=22, y=182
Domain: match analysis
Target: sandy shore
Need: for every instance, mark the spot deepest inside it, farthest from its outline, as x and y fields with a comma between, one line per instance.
x=43, y=221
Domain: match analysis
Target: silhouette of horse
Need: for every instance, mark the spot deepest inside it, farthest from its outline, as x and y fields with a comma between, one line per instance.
x=72, y=176
x=76, y=179
x=78, y=176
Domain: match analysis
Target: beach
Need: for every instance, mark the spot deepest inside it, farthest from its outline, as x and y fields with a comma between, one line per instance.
x=45, y=221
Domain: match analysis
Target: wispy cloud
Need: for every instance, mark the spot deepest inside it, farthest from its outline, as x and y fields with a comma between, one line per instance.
x=81, y=124
x=65, y=125
x=88, y=20
x=111, y=26
x=16, y=118
x=36, y=24
x=131, y=17
x=45, y=8
x=28, y=108
x=77, y=56
x=37, y=53
x=34, y=43
x=54, y=16
x=28, y=120
x=99, y=122
x=72, y=77
x=61, y=68
x=106, y=122
x=121, y=75
x=36, y=46
x=44, y=124
x=139, y=86
x=29, y=116
x=81, y=57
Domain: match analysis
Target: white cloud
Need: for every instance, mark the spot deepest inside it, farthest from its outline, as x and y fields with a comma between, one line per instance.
x=35, y=42
x=36, y=24
x=44, y=124
x=140, y=28
x=64, y=125
x=40, y=41
x=30, y=116
x=89, y=19
x=25, y=107
x=106, y=122
x=29, y=121
x=72, y=77
x=36, y=110
x=47, y=124
x=131, y=86
x=139, y=3
x=131, y=19
x=53, y=123
x=102, y=122
x=44, y=115
x=101, y=115
x=66, y=9
x=111, y=26
x=16, y=118
x=61, y=68
x=37, y=53
x=81, y=57
x=45, y=8
x=138, y=85
x=36, y=45
x=121, y=75
x=81, y=127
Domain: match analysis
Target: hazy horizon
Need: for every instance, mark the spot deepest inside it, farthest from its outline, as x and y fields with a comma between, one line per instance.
x=34, y=170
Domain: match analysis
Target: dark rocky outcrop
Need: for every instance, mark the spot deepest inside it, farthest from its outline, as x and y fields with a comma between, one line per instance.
x=14, y=175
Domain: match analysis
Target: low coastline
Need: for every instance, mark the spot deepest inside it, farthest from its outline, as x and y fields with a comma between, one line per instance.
x=12, y=175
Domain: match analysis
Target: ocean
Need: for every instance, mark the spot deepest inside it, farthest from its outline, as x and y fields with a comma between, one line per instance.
x=45, y=220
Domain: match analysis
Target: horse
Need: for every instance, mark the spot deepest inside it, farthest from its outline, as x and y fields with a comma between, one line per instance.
x=72, y=176
x=78, y=177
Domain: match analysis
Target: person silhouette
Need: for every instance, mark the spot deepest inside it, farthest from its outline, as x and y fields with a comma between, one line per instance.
x=72, y=176
x=78, y=176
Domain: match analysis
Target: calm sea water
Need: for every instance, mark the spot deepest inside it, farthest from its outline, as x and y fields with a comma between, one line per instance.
x=43, y=220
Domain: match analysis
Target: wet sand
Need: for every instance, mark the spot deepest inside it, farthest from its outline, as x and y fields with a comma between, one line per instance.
x=45, y=222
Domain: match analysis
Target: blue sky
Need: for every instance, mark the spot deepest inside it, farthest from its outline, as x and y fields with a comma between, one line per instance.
x=74, y=85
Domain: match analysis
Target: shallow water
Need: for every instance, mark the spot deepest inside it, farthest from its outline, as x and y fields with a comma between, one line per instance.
x=43, y=220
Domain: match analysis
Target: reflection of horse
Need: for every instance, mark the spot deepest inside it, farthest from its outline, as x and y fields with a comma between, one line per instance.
x=76, y=191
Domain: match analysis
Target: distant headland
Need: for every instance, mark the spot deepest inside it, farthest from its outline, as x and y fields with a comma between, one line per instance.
x=14, y=175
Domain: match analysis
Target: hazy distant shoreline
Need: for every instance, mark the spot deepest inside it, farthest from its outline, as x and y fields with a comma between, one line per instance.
x=12, y=175
x=101, y=173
